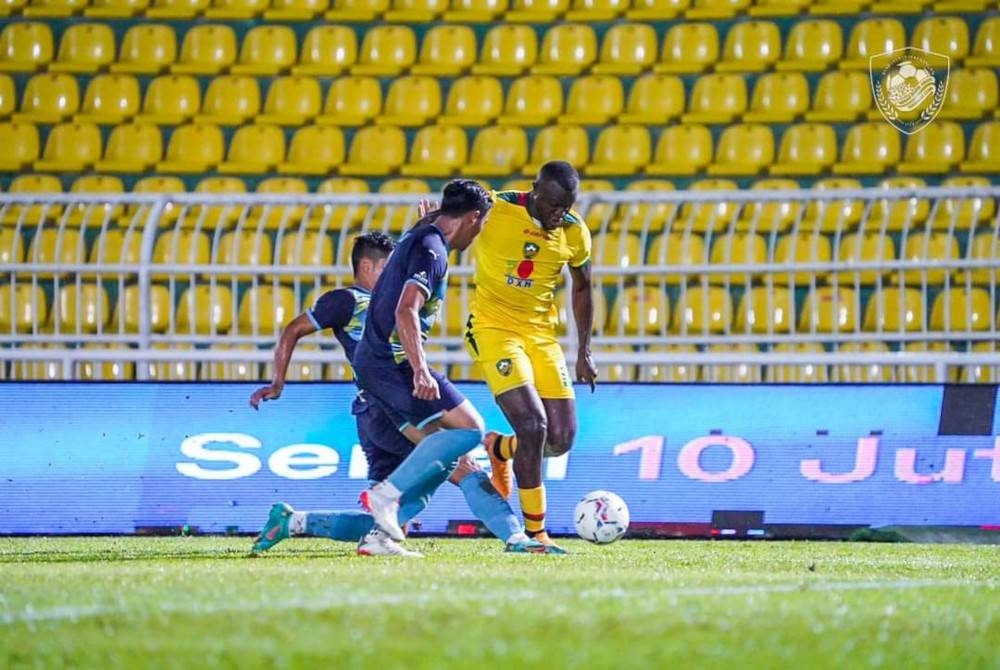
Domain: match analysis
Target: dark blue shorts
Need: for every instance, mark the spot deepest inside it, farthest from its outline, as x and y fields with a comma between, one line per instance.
x=391, y=386
x=384, y=446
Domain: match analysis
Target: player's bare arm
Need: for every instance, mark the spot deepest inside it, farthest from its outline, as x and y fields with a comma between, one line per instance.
x=408, y=326
x=298, y=328
x=583, y=314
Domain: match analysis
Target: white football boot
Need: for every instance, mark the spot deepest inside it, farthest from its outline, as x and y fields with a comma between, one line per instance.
x=378, y=543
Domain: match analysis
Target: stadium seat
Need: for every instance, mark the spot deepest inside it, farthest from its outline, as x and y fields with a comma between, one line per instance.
x=627, y=49
x=799, y=248
x=868, y=373
x=806, y=149
x=924, y=373
x=236, y=10
x=80, y=308
x=475, y=11
x=927, y=250
x=50, y=369
x=702, y=310
x=751, y=46
x=53, y=9
x=507, y=51
x=295, y=10
x=315, y=150
x=654, y=99
x=776, y=8
x=532, y=100
x=193, y=149
x=415, y=11
x=437, y=151
x=896, y=213
x=937, y=149
x=25, y=46
x=11, y=246
x=241, y=247
x=307, y=248
x=981, y=374
x=172, y=370
x=689, y=48
x=947, y=35
x=335, y=217
x=984, y=149
x=170, y=100
x=709, y=216
x=830, y=309
x=8, y=96
x=567, y=50
x=666, y=369
x=657, y=10
x=736, y=248
x=33, y=183
x=70, y=147
x=375, y=151
x=208, y=217
x=797, y=373
x=49, y=99
x=778, y=97
x=266, y=50
x=85, y=48
x=498, y=151
x=95, y=215
x=841, y=96
x=356, y=11
x=386, y=51
x=452, y=319
x=963, y=213
x=264, y=310
x=869, y=149
x=351, y=101
x=870, y=37
x=127, y=317
x=894, y=310
x=291, y=101
x=19, y=146
x=597, y=10
x=765, y=310
x=771, y=216
x=279, y=217
x=183, y=247
x=327, y=51
x=177, y=9
x=207, y=49
x=986, y=50
x=473, y=101
x=620, y=150
x=865, y=247
x=679, y=250
x=147, y=48
x=594, y=100
x=596, y=212
x=158, y=185
x=255, y=149
x=110, y=99
x=812, y=46
x=446, y=51
x=234, y=371
x=411, y=101
x=744, y=149
x=971, y=95
x=717, y=98
x=620, y=373
x=732, y=373
x=9, y=7
x=567, y=143
x=116, y=9
x=962, y=310
x=564, y=310
x=22, y=306
x=616, y=251
x=205, y=309
x=230, y=100
x=536, y=11
x=831, y=216
x=117, y=245
x=716, y=9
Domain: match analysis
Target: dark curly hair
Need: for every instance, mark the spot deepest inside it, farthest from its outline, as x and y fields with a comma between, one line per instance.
x=373, y=245
x=461, y=196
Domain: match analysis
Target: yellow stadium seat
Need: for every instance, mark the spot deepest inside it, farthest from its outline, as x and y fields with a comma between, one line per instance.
x=738, y=248
x=233, y=371
x=618, y=250
x=498, y=151
x=451, y=321
x=231, y=100
x=356, y=11
x=654, y=99
x=596, y=10
x=327, y=51
x=752, y=46
x=715, y=9
x=255, y=149
x=80, y=308
x=22, y=306
x=174, y=370
x=865, y=247
x=621, y=373
x=475, y=11
x=49, y=98
x=702, y=310
x=666, y=369
x=386, y=51
x=658, y=10
x=898, y=213
x=215, y=216
x=205, y=309
x=812, y=46
x=971, y=95
x=798, y=373
x=507, y=51
x=110, y=99
x=265, y=310
x=295, y=10
x=978, y=373
x=242, y=247
x=682, y=150
x=798, y=248
x=962, y=310
x=437, y=151
x=415, y=11
x=117, y=245
x=32, y=183
x=315, y=150
x=533, y=100
x=923, y=373
x=168, y=216
x=236, y=9
x=869, y=149
x=177, y=9
x=778, y=97
x=170, y=100
x=25, y=47
x=939, y=148
x=895, y=310
x=679, y=250
x=279, y=217
x=593, y=100
x=732, y=373
x=146, y=49
x=709, y=216
x=411, y=101
x=11, y=246
x=773, y=215
x=689, y=47
x=71, y=147
x=183, y=247
x=193, y=149
x=564, y=310
x=132, y=148
x=717, y=98
x=266, y=50
x=308, y=248
x=567, y=143
x=963, y=213
x=299, y=370
x=830, y=309
x=806, y=149
x=115, y=9
x=53, y=9
x=207, y=49
x=774, y=8
x=536, y=11
x=50, y=369
x=567, y=50
x=446, y=50
x=91, y=215
x=596, y=213
x=984, y=149
x=831, y=216
x=743, y=149
x=928, y=249
x=375, y=151
x=19, y=146
x=291, y=101
x=841, y=96
x=620, y=150
x=947, y=35
x=8, y=96
x=870, y=37
x=127, y=316
x=85, y=48
x=766, y=309
x=627, y=48
x=394, y=218
x=335, y=217
x=8, y=7
x=351, y=101
x=986, y=50
x=473, y=101
x=869, y=373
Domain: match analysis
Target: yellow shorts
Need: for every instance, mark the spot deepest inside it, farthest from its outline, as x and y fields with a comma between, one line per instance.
x=510, y=359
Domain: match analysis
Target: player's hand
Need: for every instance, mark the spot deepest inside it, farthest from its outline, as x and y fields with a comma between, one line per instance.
x=425, y=386
x=586, y=371
x=272, y=392
x=425, y=206
x=466, y=466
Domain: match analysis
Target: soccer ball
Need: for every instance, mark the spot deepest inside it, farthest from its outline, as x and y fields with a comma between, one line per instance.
x=601, y=517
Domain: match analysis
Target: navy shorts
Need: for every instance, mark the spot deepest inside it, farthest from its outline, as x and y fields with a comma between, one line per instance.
x=391, y=386
x=384, y=446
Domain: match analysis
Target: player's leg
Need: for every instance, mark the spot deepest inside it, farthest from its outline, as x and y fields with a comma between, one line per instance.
x=552, y=380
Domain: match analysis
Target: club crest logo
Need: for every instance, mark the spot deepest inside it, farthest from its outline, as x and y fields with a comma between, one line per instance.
x=531, y=250
x=909, y=86
x=504, y=367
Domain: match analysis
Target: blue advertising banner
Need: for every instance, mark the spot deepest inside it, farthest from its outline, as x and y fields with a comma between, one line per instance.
x=114, y=458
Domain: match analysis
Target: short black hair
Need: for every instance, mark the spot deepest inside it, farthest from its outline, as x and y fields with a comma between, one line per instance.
x=373, y=245
x=561, y=173
x=461, y=196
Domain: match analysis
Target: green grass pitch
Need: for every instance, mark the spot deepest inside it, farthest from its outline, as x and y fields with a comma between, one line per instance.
x=198, y=602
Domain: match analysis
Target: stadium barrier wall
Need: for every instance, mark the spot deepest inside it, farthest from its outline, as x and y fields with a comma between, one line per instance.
x=705, y=460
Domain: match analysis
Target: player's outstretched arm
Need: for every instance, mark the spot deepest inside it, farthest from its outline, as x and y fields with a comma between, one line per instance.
x=583, y=314
x=298, y=328
x=408, y=326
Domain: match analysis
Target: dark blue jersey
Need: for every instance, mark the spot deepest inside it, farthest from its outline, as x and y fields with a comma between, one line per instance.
x=420, y=258
x=344, y=311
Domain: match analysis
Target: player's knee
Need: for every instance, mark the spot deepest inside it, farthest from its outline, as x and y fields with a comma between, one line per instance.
x=531, y=428
x=559, y=441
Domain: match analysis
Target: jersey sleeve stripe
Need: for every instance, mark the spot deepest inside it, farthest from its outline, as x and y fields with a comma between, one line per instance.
x=312, y=317
x=423, y=289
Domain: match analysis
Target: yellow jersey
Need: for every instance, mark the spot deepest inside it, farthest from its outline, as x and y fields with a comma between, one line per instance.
x=518, y=264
